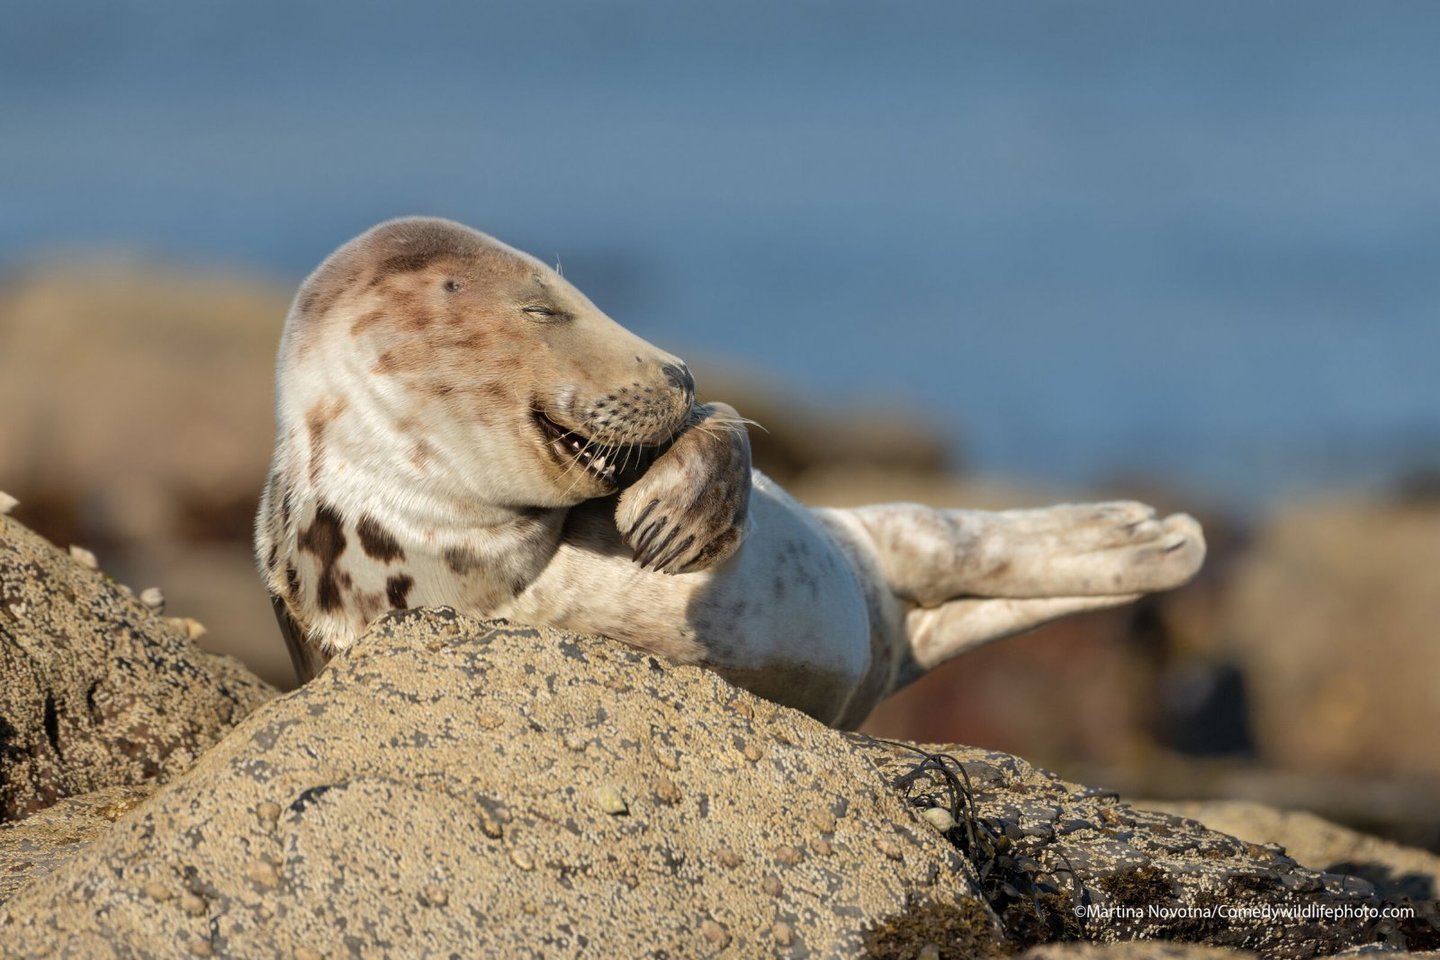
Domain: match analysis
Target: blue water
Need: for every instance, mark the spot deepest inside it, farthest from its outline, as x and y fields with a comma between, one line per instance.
x=1200, y=241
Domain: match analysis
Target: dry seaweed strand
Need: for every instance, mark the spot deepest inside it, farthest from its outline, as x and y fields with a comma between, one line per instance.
x=1013, y=883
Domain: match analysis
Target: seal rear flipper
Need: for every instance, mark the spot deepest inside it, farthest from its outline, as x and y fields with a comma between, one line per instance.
x=306, y=658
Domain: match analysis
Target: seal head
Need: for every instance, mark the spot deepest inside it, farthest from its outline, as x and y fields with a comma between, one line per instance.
x=442, y=332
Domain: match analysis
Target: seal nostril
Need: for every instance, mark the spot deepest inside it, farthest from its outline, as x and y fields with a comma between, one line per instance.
x=679, y=377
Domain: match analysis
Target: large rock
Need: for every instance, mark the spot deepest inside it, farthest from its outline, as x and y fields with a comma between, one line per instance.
x=449, y=786
x=95, y=690
x=455, y=787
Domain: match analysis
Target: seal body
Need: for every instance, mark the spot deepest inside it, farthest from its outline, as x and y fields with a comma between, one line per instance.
x=458, y=425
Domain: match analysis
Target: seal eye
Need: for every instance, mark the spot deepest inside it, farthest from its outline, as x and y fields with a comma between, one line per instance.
x=453, y=286
x=540, y=313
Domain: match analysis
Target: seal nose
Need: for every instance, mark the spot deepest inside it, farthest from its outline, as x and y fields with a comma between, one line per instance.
x=679, y=376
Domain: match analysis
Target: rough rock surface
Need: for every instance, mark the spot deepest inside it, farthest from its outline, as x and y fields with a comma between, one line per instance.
x=1132, y=950
x=450, y=786
x=456, y=786
x=35, y=846
x=95, y=690
x=1044, y=847
x=1397, y=872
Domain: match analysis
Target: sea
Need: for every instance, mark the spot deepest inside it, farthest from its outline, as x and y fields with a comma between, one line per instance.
x=1193, y=242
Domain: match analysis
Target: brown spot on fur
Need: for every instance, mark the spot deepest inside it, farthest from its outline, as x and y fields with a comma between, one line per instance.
x=292, y=583
x=325, y=538
x=474, y=340
x=378, y=542
x=407, y=360
x=492, y=390
x=328, y=286
x=317, y=419
x=397, y=590
x=366, y=321
x=272, y=557
x=410, y=261
x=421, y=454
x=461, y=560
x=371, y=605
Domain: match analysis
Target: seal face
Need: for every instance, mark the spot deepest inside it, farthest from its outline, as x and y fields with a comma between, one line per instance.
x=454, y=424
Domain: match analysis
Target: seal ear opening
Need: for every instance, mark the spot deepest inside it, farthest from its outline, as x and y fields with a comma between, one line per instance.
x=306, y=659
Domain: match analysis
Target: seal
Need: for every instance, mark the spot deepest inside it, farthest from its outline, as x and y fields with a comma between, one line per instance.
x=457, y=425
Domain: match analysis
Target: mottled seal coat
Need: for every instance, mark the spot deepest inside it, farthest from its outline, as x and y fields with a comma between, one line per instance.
x=457, y=425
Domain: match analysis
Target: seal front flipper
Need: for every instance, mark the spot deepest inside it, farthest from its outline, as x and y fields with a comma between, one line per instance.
x=687, y=512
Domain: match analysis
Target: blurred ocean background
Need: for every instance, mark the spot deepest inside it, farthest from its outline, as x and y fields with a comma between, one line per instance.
x=1193, y=242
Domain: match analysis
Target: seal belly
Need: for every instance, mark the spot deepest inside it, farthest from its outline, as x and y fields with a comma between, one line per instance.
x=784, y=617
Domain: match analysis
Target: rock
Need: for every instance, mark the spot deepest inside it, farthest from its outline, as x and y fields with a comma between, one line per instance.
x=423, y=796
x=1397, y=872
x=95, y=691
x=455, y=786
x=1059, y=861
x=138, y=401
x=35, y=846
x=139, y=419
x=1333, y=615
x=1132, y=950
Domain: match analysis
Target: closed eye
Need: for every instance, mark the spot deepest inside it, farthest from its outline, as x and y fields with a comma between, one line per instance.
x=544, y=313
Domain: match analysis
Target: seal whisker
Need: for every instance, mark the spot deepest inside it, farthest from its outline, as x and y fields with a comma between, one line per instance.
x=735, y=424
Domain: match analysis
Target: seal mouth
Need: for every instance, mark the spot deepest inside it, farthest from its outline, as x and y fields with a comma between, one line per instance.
x=608, y=463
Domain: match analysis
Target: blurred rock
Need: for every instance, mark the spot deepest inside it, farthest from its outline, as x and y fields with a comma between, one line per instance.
x=139, y=422
x=217, y=584
x=138, y=400
x=1334, y=615
x=95, y=689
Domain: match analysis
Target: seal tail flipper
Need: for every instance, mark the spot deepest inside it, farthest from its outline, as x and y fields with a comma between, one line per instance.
x=306, y=658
